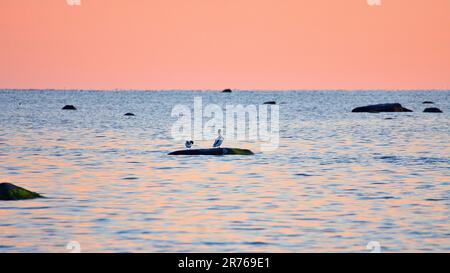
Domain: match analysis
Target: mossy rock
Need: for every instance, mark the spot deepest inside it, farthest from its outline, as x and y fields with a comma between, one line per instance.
x=213, y=151
x=9, y=192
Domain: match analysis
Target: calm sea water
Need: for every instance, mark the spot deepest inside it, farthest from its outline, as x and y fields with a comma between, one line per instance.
x=338, y=180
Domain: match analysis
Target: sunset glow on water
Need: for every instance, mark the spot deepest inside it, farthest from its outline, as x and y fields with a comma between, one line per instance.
x=337, y=181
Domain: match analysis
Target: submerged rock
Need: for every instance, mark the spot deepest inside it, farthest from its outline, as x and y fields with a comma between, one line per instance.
x=129, y=115
x=428, y=102
x=377, y=108
x=270, y=102
x=432, y=110
x=213, y=151
x=69, y=107
x=9, y=192
x=227, y=91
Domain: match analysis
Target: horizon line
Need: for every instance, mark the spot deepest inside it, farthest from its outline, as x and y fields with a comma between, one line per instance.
x=215, y=90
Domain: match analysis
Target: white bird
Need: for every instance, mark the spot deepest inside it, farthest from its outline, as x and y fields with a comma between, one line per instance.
x=189, y=143
x=218, y=140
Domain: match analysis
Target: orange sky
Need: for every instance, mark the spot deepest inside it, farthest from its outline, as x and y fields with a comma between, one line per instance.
x=215, y=44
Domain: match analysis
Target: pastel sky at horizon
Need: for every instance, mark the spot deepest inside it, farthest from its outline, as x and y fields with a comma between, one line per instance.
x=216, y=44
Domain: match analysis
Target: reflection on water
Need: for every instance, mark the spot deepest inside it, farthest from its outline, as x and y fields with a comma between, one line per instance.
x=338, y=180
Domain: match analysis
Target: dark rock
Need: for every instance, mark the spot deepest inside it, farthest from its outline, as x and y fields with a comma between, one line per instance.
x=129, y=114
x=69, y=107
x=9, y=192
x=227, y=91
x=432, y=110
x=213, y=151
x=270, y=102
x=377, y=108
x=428, y=102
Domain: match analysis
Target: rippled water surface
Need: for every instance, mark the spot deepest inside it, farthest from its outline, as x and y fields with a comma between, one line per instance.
x=338, y=180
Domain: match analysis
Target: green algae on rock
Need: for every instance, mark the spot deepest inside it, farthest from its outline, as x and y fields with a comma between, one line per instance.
x=9, y=192
x=213, y=151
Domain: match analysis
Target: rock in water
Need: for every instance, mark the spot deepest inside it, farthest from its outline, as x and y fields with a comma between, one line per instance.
x=9, y=192
x=377, y=108
x=69, y=107
x=432, y=110
x=227, y=91
x=270, y=102
x=129, y=115
x=428, y=102
x=214, y=151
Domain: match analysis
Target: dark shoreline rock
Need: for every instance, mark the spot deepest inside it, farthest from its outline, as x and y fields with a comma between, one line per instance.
x=69, y=107
x=378, y=108
x=428, y=102
x=432, y=110
x=213, y=151
x=9, y=192
x=227, y=91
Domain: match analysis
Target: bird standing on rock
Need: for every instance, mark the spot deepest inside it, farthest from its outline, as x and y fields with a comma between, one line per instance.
x=218, y=140
x=189, y=144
